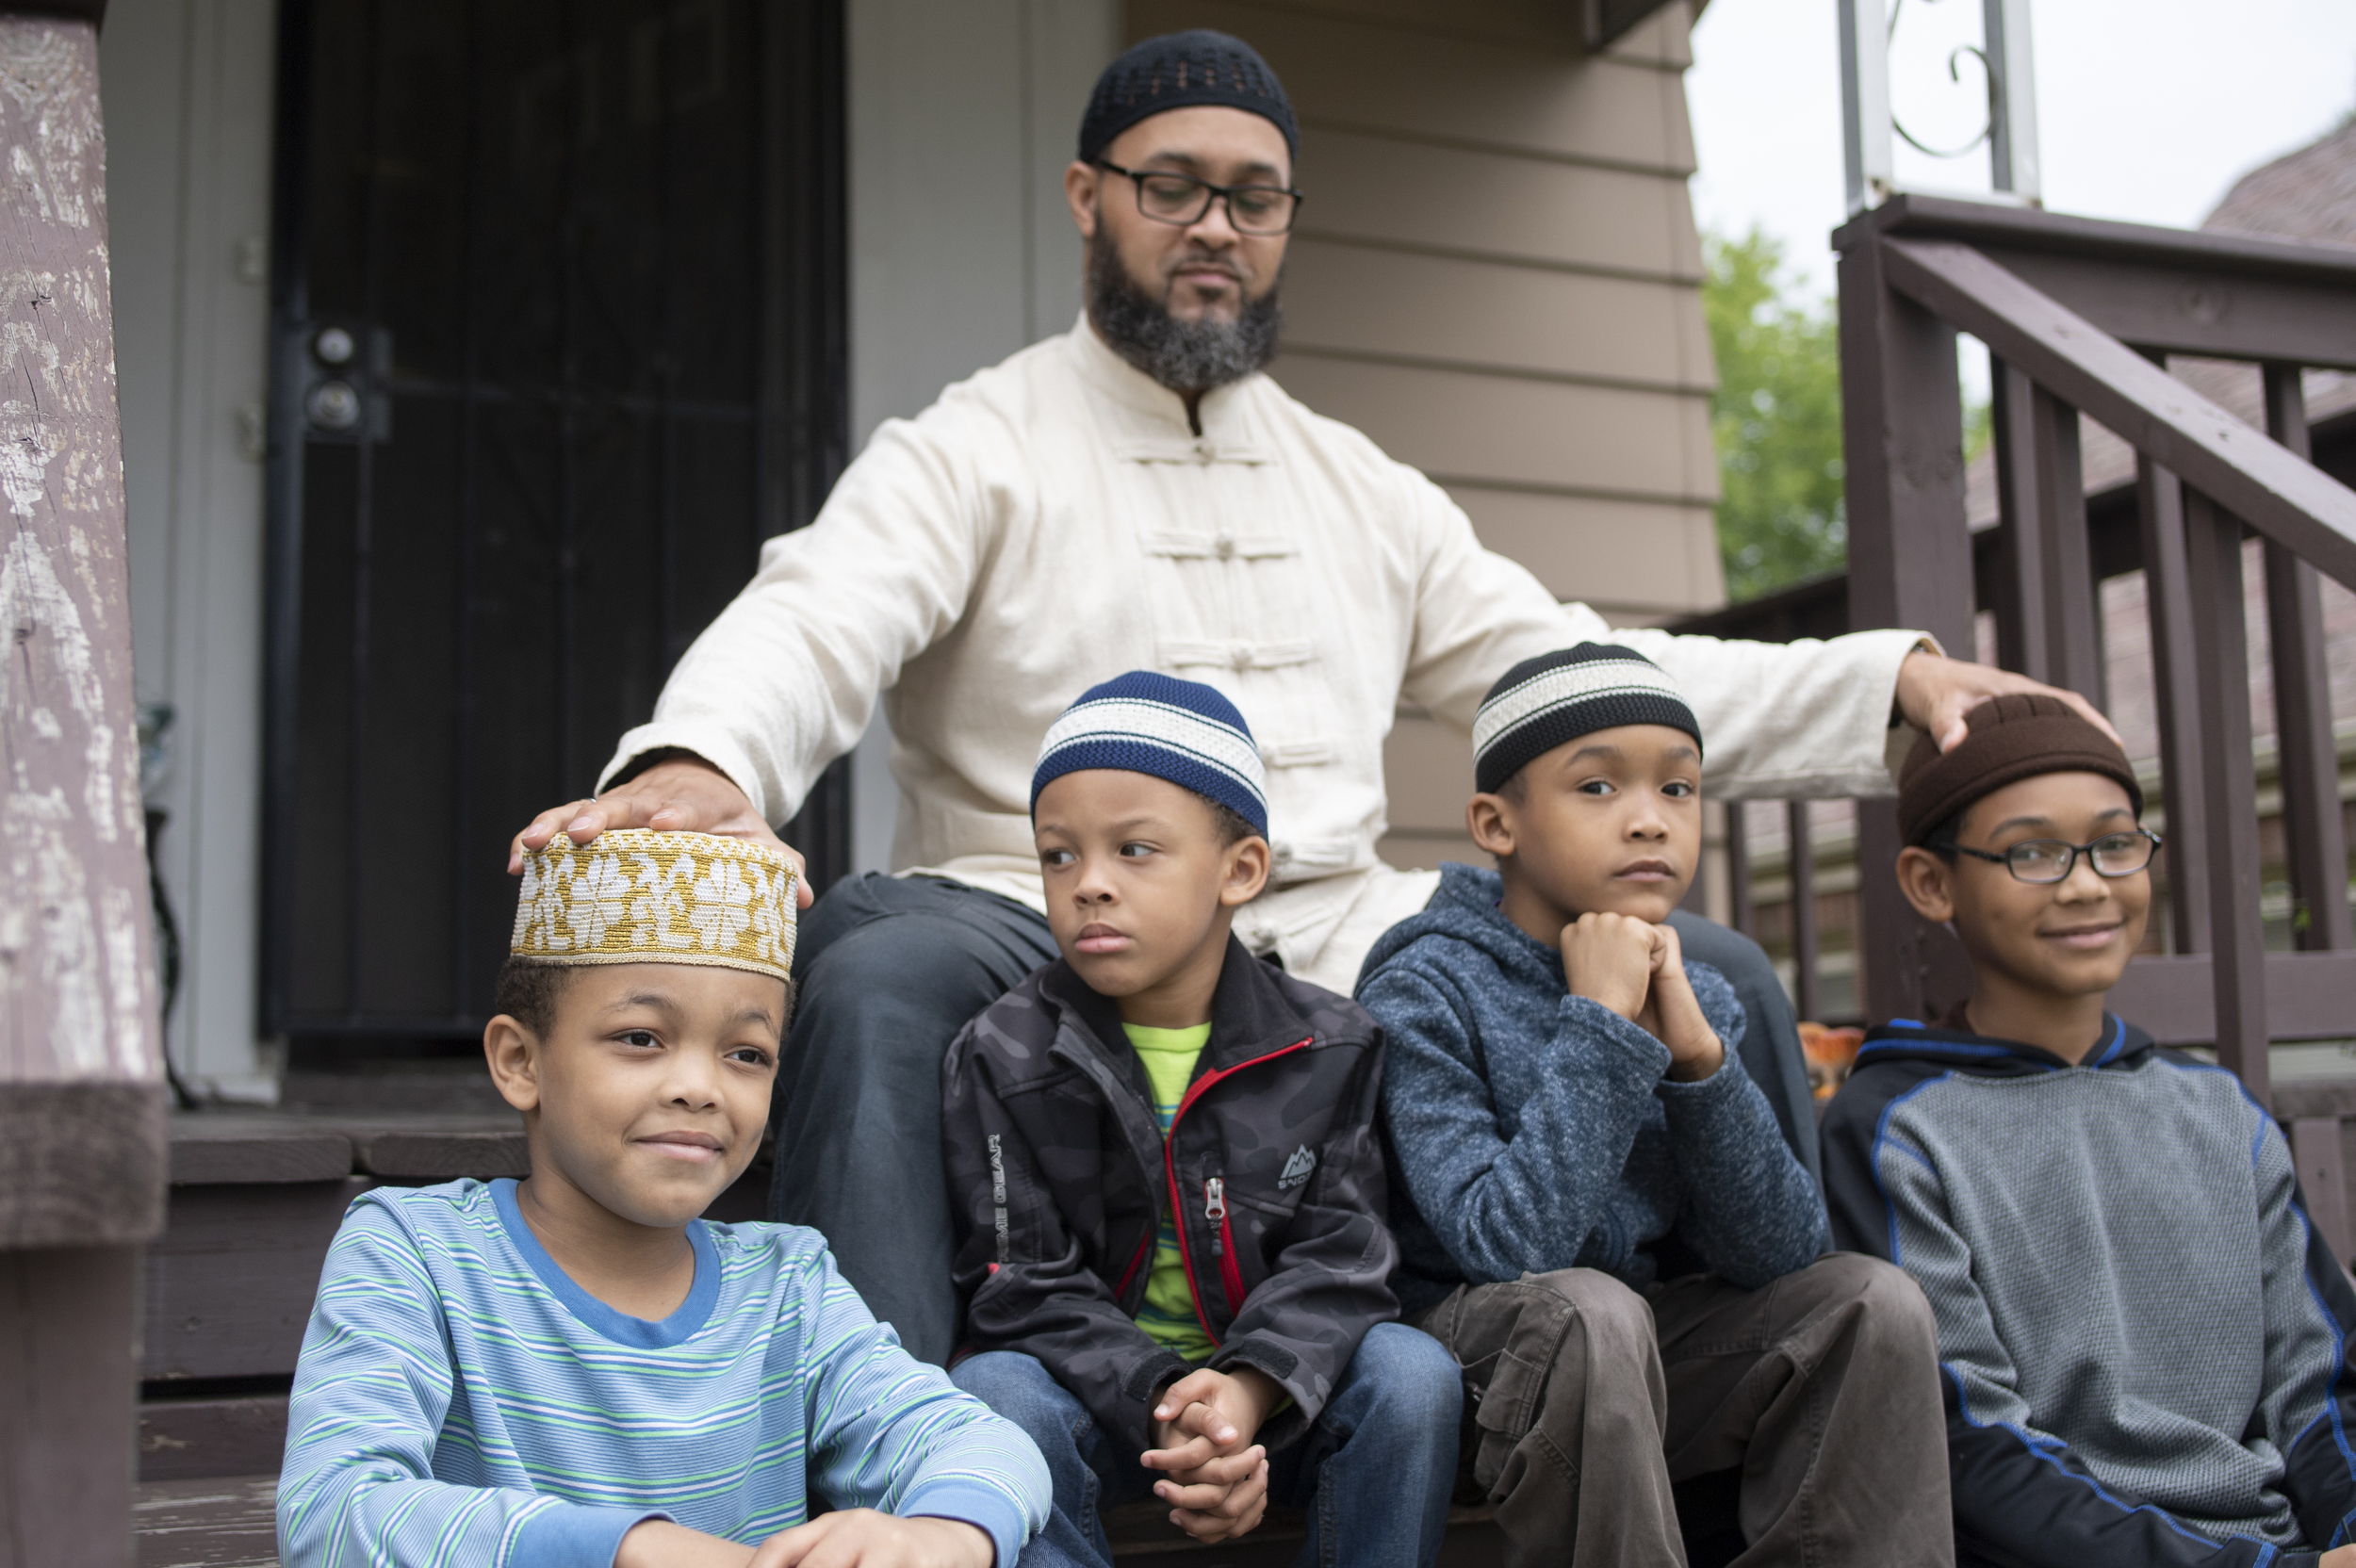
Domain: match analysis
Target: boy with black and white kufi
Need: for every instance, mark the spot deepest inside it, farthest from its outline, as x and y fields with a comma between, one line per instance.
x=1165, y=1178
x=1597, y=1212
x=2143, y=1334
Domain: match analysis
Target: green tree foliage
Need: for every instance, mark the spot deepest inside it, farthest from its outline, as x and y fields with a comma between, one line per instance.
x=1775, y=419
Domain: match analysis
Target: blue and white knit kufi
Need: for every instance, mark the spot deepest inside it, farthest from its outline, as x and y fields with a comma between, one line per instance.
x=1544, y=702
x=1179, y=730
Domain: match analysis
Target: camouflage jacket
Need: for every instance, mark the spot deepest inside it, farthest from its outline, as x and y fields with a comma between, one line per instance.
x=1059, y=1171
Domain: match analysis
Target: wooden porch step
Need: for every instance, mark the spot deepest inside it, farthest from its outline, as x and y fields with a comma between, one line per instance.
x=210, y=1524
x=236, y=1148
x=231, y=1524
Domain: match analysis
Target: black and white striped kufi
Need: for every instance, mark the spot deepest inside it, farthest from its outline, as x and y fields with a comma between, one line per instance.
x=1543, y=702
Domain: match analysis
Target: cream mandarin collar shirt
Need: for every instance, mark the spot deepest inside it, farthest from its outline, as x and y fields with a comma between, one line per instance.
x=1053, y=522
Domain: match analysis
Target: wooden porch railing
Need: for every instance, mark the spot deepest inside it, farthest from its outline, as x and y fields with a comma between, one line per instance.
x=2081, y=317
x=81, y=1066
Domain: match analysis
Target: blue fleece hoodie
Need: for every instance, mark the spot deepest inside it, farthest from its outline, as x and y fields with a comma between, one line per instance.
x=1531, y=1130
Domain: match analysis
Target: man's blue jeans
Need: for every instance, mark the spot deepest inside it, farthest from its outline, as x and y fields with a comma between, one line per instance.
x=1374, y=1470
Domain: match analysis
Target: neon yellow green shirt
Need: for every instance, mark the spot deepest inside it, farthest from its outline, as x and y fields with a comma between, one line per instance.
x=1169, y=1056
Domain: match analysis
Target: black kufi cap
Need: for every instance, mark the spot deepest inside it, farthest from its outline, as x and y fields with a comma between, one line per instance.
x=1544, y=702
x=1178, y=71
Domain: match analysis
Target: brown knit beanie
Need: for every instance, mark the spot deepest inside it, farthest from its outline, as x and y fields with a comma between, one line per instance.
x=2012, y=738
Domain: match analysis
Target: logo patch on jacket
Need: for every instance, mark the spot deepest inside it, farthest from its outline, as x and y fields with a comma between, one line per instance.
x=1297, y=1170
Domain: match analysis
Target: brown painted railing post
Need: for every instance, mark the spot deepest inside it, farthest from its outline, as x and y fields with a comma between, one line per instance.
x=1739, y=911
x=81, y=1101
x=2073, y=643
x=2047, y=616
x=2011, y=595
x=1806, y=946
x=2167, y=607
x=1909, y=565
x=2310, y=770
x=2229, y=787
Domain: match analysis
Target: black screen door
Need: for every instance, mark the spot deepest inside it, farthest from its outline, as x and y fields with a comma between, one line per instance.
x=558, y=294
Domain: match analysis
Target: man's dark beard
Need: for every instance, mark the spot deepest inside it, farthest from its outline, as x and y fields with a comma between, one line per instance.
x=1185, y=356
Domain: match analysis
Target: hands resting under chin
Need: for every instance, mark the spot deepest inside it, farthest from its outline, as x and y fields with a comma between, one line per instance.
x=1637, y=969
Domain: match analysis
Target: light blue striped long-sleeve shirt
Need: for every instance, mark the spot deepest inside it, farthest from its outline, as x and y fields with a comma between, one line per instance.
x=461, y=1401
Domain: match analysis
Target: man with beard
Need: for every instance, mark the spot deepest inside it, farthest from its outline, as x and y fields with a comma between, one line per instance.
x=1134, y=495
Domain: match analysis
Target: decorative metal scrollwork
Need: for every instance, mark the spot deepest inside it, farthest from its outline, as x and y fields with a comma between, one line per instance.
x=1870, y=131
x=1954, y=73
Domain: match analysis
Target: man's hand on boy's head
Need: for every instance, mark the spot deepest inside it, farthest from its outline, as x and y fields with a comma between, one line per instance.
x=1205, y=1423
x=681, y=793
x=862, y=1537
x=1936, y=691
x=1610, y=960
x=1675, y=1017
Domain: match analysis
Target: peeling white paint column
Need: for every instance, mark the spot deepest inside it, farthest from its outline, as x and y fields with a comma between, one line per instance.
x=81, y=1099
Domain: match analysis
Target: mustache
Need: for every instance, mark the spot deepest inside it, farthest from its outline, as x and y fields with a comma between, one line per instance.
x=1209, y=262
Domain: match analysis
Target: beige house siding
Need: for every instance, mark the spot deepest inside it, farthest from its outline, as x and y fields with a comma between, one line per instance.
x=1496, y=277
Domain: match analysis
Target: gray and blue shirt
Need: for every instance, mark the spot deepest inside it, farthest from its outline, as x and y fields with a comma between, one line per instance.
x=2143, y=1343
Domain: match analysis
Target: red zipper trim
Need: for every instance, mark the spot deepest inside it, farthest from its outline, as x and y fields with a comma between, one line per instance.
x=1145, y=1249
x=1230, y=1277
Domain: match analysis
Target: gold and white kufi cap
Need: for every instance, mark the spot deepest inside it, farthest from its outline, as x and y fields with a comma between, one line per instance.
x=634, y=896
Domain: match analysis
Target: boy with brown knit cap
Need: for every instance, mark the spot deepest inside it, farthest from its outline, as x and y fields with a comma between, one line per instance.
x=2143, y=1341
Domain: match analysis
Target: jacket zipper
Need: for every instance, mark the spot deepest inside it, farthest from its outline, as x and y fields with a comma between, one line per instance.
x=1223, y=1245
x=1230, y=1278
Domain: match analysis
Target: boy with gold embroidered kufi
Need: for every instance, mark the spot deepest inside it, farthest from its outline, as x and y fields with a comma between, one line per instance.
x=576, y=1369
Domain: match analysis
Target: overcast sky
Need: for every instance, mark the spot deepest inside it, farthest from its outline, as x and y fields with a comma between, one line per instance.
x=2147, y=110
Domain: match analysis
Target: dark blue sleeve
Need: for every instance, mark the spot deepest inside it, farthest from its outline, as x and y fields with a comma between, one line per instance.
x=2022, y=1500
x=2309, y=1406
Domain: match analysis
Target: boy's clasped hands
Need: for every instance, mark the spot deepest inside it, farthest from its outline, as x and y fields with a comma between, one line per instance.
x=1217, y=1476
x=1637, y=969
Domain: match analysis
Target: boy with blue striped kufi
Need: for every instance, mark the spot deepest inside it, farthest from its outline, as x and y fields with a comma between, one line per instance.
x=577, y=1371
x=1165, y=1179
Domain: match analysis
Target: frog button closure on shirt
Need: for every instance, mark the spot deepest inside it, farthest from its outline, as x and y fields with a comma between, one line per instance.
x=1179, y=654
x=1200, y=451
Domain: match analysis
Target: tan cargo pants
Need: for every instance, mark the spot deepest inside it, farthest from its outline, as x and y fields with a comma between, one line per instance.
x=1585, y=1401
